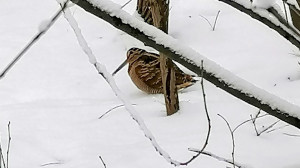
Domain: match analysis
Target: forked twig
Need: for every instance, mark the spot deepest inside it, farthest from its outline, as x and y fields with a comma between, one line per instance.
x=258, y=133
x=232, y=137
x=213, y=27
x=238, y=126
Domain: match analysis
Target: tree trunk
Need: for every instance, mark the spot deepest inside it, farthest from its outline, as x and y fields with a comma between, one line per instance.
x=296, y=17
x=156, y=12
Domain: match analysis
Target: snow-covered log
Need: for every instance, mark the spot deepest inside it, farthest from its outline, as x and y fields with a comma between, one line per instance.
x=277, y=23
x=220, y=77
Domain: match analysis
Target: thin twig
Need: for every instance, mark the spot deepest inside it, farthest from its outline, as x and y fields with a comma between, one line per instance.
x=122, y=105
x=258, y=133
x=278, y=128
x=269, y=127
x=213, y=27
x=8, y=145
x=217, y=157
x=2, y=160
x=293, y=135
x=254, y=124
x=238, y=126
x=33, y=41
x=232, y=137
x=48, y=164
x=215, y=23
x=208, y=120
x=125, y=4
x=207, y=21
x=1, y=156
x=102, y=161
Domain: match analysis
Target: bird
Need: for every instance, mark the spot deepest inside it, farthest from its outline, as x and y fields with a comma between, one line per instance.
x=144, y=71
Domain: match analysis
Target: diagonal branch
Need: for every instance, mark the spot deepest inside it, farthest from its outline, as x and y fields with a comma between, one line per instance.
x=187, y=57
x=281, y=27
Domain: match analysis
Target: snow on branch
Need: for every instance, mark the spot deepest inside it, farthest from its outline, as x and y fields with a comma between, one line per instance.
x=277, y=23
x=222, y=78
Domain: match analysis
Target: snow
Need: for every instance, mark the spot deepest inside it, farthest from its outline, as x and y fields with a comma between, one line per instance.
x=54, y=97
x=265, y=4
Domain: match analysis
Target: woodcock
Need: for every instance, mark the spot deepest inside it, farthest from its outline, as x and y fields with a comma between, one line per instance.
x=144, y=71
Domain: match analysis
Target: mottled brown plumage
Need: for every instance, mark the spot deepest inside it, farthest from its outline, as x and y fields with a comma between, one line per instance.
x=144, y=71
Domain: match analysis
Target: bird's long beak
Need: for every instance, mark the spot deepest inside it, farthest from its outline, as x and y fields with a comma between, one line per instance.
x=119, y=68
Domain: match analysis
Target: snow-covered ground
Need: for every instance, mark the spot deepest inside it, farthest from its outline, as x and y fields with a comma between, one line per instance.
x=54, y=96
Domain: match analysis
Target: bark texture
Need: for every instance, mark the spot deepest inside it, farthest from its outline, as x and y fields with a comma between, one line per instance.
x=156, y=13
x=296, y=16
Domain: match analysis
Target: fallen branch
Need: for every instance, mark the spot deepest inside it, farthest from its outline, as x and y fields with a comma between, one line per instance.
x=187, y=57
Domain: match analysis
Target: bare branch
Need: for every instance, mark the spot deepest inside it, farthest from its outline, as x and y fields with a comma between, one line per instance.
x=278, y=128
x=213, y=27
x=2, y=161
x=103, y=163
x=208, y=121
x=206, y=21
x=238, y=126
x=34, y=40
x=125, y=4
x=217, y=157
x=48, y=164
x=292, y=135
x=258, y=133
x=215, y=23
x=232, y=138
x=122, y=105
x=8, y=144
